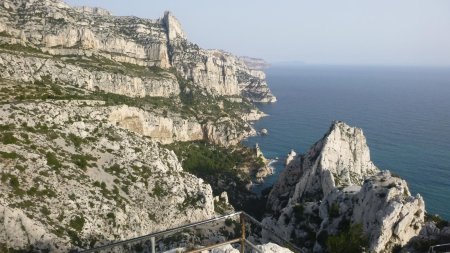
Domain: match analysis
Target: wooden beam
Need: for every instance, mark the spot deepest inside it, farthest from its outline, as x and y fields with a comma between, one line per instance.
x=242, y=218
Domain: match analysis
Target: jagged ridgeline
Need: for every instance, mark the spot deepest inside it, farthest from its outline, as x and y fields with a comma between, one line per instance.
x=87, y=99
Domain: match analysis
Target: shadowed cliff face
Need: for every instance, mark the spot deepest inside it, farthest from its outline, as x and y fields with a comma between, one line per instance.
x=334, y=185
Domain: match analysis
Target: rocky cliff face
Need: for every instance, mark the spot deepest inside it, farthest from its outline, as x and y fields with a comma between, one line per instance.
x=265, y=169
x=71, y=177
x=90, y=34
x=163, y=129
x=335, y=184
x=340, y=159
x=33, y=68
x=88, y=48
x=59, y=29
x=254, y=63
x=87, y=101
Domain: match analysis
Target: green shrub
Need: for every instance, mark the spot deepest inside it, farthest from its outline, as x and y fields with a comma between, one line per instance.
x=333, y=210
x=152, y=216
x=53, y=161
x=354, y=240
x=45, y=211
x=8, y=138
x=77, y=223
x=14, y=182
x=20, y=168
x=82, y=160
x=159, y=191
x=111, y=216
x=440, y=223
x=191, y=201
x=115, y=169
x=8, y=127
x=97, y=184
x=77, y=141
x=56, y=89
x=228, y=222
x=12, y=155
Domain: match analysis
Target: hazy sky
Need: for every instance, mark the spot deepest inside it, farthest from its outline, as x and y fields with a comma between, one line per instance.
x=375, y=32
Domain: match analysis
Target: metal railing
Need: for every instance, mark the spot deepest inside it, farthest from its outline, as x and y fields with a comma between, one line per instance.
x=247, y=233
x=440, y=248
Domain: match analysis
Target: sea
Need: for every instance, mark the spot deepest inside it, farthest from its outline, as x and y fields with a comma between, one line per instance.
x=404, y=113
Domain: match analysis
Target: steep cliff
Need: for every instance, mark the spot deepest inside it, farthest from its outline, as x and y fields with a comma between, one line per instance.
x=340, y=159
x=49, y=42
x=87, y=103
x=335, y=184
x=57, y=32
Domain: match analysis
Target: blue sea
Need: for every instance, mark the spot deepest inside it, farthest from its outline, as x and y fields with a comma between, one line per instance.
x=403, y=111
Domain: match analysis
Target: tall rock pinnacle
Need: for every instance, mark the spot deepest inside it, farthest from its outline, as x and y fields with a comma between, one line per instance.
x=173, y=26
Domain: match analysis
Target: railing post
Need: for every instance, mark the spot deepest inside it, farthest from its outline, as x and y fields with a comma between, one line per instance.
x=242, y=232
x=152, y=240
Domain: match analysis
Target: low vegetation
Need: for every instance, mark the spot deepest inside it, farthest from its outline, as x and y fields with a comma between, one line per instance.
x=204, y=159
x=225, y=169
x=352, y=240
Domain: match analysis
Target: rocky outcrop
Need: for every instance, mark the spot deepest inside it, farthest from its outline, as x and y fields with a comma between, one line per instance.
x=255, y=89
x=254, y=115
x=173, y=26
x=384, y=206
x=163, y=129
x=340, y=159
x=435, y=231
x=254, y=63
x=172, y=128
x=33, y=69
x=265, y=170
x=18, y=230
x=335, y=183
x=273, y=248
x=388, y=212
x=226, y=131
x=71, y=177
x=53, y=26
x=213, y=70
x=93, y=10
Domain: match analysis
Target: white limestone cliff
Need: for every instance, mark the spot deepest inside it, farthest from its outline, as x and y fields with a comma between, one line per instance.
x=32, y=69
x=388, y=212
x=56, y=29
x=336, y=183
x=163, y=129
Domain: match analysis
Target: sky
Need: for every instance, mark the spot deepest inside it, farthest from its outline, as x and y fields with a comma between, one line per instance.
x=344, y=32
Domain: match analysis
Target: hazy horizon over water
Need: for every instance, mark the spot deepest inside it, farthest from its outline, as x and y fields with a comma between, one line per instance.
x=403, y=111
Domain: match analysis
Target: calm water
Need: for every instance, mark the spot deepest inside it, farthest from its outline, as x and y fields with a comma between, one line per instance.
x=404, y=112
